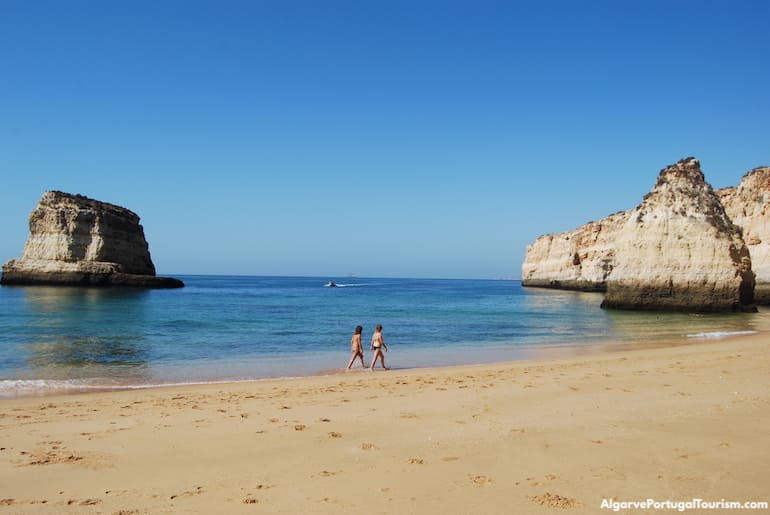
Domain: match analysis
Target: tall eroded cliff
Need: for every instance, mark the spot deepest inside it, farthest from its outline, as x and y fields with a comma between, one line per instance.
x=77, y=240
x=748, y=205
x=682, y=248
x=581, y=259
x=679, y=250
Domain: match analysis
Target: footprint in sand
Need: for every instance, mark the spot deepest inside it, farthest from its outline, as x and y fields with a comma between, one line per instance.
x=56, y=455
x=334, y=434
x=198, y=490
x=480, y=479
x=250, y=498
x=555, y=501
x=84, y=502
x=108, y=492
x=416, y=461
x=533, y=481
x=369, y=447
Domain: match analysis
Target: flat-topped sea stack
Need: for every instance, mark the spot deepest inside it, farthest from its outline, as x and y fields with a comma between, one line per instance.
x=75, y=240
x=679, y=250
x=748, y=205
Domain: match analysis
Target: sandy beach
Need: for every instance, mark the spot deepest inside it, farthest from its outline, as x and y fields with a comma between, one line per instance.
x=545, y=436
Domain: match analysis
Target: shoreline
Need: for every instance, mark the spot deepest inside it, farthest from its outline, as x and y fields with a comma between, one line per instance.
x=159, y=338
x=457, y=357
x=669, y=423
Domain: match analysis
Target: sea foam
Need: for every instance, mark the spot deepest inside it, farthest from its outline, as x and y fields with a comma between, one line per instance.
x=719, y=334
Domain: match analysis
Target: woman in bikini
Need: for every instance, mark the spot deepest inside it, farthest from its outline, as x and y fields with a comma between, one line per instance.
x=378, y=344
x=356, y=349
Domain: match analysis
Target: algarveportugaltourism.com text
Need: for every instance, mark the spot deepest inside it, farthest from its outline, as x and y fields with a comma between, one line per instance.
x=693, y=504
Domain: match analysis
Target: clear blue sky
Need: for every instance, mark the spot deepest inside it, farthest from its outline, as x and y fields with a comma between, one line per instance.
x=374, y=137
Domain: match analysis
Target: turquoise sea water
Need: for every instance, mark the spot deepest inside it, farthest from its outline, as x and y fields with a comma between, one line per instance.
x=218, y=328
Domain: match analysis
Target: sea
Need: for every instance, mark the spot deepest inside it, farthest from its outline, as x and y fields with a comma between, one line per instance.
x=241, y=328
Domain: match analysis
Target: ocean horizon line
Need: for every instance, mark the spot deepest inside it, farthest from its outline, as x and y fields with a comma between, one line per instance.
x=340, y=276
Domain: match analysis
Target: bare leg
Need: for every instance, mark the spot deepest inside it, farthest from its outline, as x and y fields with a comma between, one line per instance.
x=374, y=358
x=359, y=355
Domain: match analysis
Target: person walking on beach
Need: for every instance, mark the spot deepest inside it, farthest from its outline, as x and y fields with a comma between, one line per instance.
x=378, y=344
x=356, y=349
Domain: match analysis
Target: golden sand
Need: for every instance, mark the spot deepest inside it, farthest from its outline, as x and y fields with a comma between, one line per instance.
x=548, y=436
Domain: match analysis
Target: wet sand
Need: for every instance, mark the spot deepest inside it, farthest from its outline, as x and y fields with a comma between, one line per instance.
x=543, y=436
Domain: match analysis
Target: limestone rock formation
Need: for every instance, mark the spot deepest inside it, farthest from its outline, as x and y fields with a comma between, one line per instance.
x=748, y=205
x=77, y=240
x=581, y=259
x=679, y=250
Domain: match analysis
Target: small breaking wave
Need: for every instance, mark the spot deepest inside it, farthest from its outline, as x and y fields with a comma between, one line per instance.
x=719, y=334
x=14, y=388
x=27, y=387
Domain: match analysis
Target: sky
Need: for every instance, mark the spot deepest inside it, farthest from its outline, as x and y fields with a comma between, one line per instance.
x=380, y=138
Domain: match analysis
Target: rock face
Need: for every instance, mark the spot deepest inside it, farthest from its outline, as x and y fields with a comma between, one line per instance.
x=581, y=259
x=748, y=205
x=80, y=241
x=677, y=250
